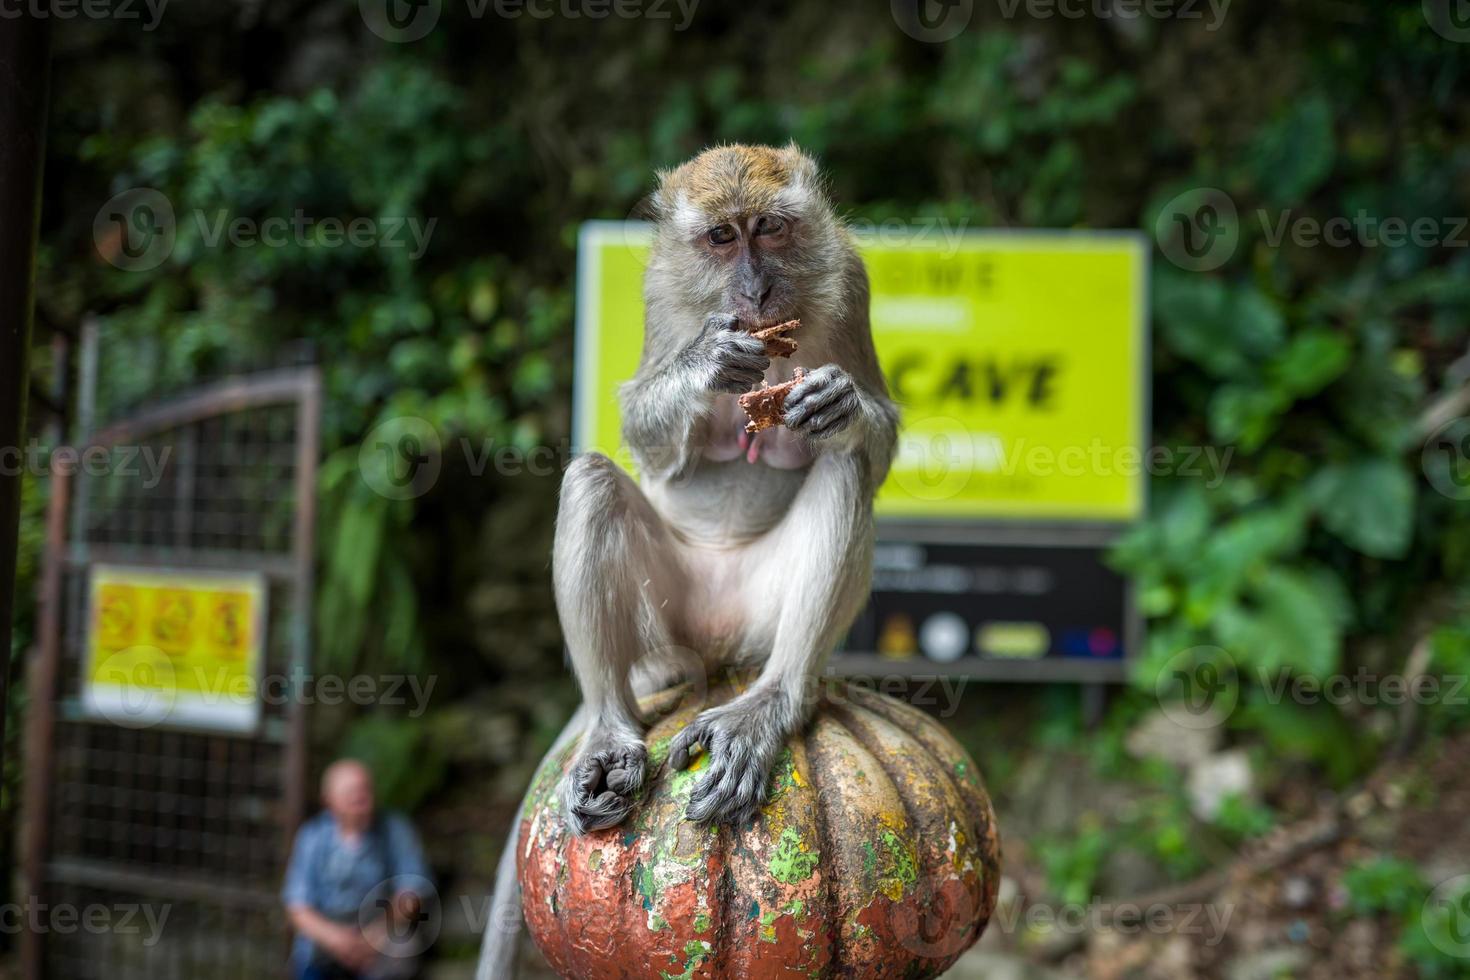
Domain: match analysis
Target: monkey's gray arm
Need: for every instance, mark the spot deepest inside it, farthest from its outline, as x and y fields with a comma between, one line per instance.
x=667, y=399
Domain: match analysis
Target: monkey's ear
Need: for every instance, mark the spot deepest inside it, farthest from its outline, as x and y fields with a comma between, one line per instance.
x=660, y=204
x=804, y=168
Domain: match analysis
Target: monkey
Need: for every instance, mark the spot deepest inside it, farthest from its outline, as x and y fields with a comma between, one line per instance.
x=751, y=551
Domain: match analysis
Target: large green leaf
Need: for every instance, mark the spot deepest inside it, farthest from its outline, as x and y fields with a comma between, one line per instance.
x=1312, y=360
x=1224, y=329
x=1291, y=619
x=1369, y=504
x=1294, y=153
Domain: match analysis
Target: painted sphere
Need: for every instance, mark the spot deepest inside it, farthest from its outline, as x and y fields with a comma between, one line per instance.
x=876, y=855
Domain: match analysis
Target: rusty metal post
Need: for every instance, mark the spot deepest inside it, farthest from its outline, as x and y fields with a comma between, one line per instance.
x=24, y=64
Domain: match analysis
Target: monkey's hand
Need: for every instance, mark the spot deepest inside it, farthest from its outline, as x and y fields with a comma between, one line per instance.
x=727, y=358
x=741, y=739
x=599, y=789
x=825, y=403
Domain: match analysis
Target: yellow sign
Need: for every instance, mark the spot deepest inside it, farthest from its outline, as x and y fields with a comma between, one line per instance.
x=1018, y=360
x=180, y=648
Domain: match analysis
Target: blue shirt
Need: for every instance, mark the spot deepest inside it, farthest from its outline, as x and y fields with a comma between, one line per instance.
x=337, y=877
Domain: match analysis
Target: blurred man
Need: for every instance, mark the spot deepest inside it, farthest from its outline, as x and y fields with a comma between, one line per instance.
x=356, y=886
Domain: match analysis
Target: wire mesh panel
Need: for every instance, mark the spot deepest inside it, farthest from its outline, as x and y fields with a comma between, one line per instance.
x=181, y=829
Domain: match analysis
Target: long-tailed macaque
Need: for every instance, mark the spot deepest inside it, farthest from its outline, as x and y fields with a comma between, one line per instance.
x=747, y=550
x=741, y=548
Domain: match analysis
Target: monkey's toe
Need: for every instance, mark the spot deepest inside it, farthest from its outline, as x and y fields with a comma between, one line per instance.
x=601, y=786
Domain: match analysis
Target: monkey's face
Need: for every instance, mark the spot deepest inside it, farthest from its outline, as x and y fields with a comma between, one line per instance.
x=747, y=230
x=751, y=254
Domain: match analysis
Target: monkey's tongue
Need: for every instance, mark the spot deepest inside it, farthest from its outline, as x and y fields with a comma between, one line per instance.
x=751, y=444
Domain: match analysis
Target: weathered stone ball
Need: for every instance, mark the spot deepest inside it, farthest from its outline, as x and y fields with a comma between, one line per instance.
x=876, y=855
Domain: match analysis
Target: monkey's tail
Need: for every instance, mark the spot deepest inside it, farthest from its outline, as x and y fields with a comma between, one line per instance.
x=501, y=946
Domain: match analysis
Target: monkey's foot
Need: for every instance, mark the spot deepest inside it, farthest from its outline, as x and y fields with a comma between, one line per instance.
x=599, y=788
x=742, y=739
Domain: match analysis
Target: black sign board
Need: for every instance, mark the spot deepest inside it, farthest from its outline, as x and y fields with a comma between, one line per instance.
x=1012, y=609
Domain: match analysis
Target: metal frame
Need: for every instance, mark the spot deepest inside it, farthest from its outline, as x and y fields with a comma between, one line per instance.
x=25, y=64
x=69, y=552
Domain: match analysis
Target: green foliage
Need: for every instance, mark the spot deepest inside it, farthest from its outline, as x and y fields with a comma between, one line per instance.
x=1430, y=931
x=405, y=761
x=1305, y=369
x=1243, y=819
x=1072, y=864
x=1384, y=885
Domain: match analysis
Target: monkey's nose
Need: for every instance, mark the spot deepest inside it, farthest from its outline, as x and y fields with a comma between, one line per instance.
x=757, y=300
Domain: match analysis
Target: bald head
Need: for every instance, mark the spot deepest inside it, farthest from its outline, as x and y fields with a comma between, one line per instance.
x=347, y=792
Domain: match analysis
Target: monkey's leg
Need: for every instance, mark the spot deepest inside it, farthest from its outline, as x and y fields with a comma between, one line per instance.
x=615, y=574
x=812, y=571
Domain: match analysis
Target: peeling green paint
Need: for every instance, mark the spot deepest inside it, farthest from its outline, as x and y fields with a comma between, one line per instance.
x=647, y=886
x=594, y=860
x=792, y=861
x=701, y=922
x=695, y=953
x=903, y=871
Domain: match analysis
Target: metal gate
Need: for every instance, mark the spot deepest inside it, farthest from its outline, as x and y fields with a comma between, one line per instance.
x=167, y=843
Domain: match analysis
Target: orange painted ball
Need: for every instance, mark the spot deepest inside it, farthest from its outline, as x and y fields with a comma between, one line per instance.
x=876, y=855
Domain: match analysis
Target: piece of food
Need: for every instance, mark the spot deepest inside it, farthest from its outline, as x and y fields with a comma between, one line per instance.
x=775, y=339
x=766, y=406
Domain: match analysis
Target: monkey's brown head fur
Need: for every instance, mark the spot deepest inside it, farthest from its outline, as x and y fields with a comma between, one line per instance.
x=749, y=230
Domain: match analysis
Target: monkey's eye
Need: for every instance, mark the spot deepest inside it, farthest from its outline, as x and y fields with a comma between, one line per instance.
x=768, y=225
x=723, y=235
